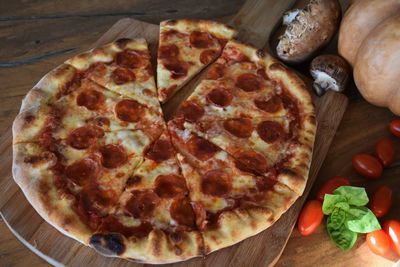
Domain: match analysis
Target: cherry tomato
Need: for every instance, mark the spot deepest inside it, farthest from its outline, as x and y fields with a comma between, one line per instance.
x=381, y=201
x=329, y=186
x=392, y=229
x=395, y=127
x=378, y=242
x=310, y=217
x=367, y=165
x=384, y=151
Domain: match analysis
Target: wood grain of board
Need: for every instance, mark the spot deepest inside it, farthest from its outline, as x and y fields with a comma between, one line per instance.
x=263, y=249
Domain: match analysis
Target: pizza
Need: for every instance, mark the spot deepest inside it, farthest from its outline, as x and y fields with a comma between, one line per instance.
x=94, y=155
x=185, y=48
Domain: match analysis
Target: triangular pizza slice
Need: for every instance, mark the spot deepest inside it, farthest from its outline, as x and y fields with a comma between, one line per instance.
x=185, y=48
x=231, y=203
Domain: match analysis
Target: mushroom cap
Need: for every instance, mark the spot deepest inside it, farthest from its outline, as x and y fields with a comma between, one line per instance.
x=310, y=29
x=330, y=72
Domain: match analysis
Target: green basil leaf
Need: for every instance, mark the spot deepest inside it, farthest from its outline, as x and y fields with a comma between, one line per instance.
x=343, y=237
x=330, y=201
x=356, y=212
x=342, y=205
x=355, y=195
x=365, y=223
x=337, y=218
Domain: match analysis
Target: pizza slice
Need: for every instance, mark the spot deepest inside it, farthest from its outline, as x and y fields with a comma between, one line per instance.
x=185, y=48
x=282, y=144
x=154, y=220
x=231, y=203
x=123, y=67
x=74, y=183
x=87, y=104
x=246, y=82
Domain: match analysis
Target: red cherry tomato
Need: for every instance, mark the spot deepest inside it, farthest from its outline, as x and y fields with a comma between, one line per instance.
x=367, y=165
x=329, y=186
x=310, y=217
x=392, y=229
x=381, y=201
x=384, y=151
x=395, y=127
x=378, y=242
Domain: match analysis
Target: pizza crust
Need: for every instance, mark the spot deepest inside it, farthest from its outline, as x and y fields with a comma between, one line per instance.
x=156, y=248
x=34, y=182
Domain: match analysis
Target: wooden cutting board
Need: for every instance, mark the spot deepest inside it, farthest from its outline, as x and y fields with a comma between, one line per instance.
x=255, y=21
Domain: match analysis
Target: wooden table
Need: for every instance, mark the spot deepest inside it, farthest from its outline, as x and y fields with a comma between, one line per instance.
x=37, y=35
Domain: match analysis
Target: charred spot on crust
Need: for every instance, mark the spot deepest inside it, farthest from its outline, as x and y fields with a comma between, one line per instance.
x=121, y=43
x=108, y=244
x=260, y=53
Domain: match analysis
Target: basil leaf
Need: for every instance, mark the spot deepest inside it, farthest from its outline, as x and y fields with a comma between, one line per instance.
x=356, y=212
x=342, y=205
x=355, y=195
x=343, y=237
x=364, y=224
x=337, y=218
x=330, y=201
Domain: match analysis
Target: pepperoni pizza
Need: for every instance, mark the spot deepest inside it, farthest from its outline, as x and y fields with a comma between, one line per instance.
x=186, y=47
x=95, y=157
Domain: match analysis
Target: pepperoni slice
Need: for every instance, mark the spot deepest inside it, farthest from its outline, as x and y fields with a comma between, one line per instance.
x=290, y=104
x=216, y=183
x=220, y=97
x=201, y=148
x=122, y=75
x=215, y=72
x=270, y=131
x=208, y=55
x=161, y=150
x=248, y=82
x=113, y=225
x=233, y=55
x=83, y=170
x=170, y=185
x=130, y=59
x=129, y=110
x=240, y=127
x=262, y=73
x=83, y=137
x=142, y=204
x=201, y=39
x=250, y=161
x=191, y=111
x=271, y=105
x=264, y=184
x=177, y=68
x=113, y=156
x=182, y=212
x=172, y=33
x=168, y=51
x=91, y=99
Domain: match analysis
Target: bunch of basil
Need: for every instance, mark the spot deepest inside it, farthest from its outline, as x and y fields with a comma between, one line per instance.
x=348, y=216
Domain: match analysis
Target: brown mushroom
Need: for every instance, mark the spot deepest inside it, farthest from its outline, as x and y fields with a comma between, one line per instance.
x=308, y=30
x=330, y=72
